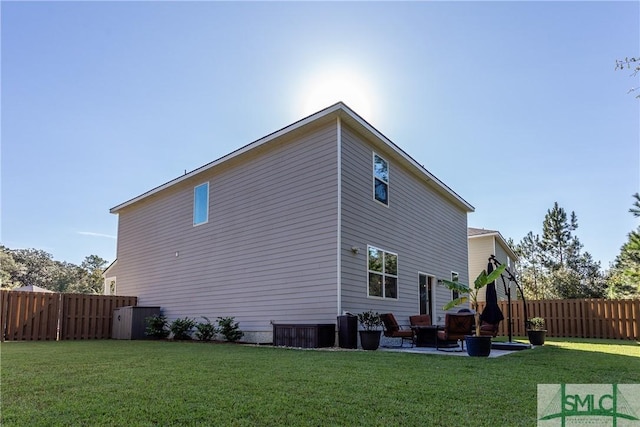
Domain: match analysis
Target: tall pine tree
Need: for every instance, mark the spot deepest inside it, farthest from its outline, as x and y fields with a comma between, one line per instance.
x=561, y=248
x=531, y=267
x=624, y=276
x=552, y=265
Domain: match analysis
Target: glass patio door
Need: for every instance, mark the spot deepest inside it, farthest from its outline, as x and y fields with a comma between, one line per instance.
x=425, y=287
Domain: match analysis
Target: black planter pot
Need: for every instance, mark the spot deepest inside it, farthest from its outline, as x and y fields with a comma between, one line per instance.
x=536, y=337
x=370, y=340
x=478, y=346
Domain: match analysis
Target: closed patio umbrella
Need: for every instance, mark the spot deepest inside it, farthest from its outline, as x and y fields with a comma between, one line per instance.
x=491, y=313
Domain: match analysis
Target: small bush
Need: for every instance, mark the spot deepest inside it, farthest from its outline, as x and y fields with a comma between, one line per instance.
x=205, y=331
x=181, y=328
x=156, y=326
x=536, y=324
x=370, y=320
x=229, y=328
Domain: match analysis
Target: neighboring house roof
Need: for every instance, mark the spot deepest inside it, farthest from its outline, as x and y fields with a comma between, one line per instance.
x=32, y=288
x=105, y=273
x=481, y=232
x=337, y=110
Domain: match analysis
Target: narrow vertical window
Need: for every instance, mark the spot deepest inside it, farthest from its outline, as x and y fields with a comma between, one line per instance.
x=201, y=204
x=454, y=278
x=425, y=285
x=380, y=179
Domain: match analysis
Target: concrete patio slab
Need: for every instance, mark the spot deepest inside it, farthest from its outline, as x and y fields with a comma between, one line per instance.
x=441, y=352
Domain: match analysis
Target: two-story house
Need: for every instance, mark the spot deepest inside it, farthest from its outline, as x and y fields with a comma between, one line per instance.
x=324, y=216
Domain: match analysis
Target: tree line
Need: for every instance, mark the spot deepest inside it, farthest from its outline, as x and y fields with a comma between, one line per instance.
x=24, y=267
x=552, y=264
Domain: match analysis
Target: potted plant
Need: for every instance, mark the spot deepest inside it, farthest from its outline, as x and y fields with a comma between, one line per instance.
x=370, y=336
x=477, y=345
x=536, y=330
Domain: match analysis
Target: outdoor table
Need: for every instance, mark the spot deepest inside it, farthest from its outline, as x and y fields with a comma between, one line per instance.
x=426, y=336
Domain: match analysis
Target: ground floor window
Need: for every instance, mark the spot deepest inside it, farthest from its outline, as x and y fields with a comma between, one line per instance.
x=383, y=273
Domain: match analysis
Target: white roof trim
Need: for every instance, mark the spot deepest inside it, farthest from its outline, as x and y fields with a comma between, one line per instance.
x=105, y=273
x=406, y=156
x=340, y=108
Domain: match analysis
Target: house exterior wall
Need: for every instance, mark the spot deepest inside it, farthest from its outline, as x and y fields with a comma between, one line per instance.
x=282, y=220
x=268, y=250
x=501, y=256
x=110, y=276
x=428, y=232
x=480, y=248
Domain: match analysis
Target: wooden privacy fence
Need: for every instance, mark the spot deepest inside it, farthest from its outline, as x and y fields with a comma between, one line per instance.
x=579, y=318
x=28, y=316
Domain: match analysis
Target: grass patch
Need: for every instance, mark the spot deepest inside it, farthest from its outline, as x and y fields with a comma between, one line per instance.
x=148, y=383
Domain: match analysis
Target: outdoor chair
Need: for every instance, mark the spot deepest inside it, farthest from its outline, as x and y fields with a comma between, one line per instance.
x=489, y=329
x=393, y=330
x=420, y=320
x=456, y=326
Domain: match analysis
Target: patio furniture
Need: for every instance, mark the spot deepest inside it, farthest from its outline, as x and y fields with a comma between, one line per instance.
x=393, y=330
x=456, y=326
x=489, y=329
x=420, y=320
x=426, y=335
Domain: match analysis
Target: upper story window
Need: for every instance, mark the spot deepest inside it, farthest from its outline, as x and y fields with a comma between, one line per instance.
x=454, y=278
x=201, y=204
x=383, y=273
x=380, y=179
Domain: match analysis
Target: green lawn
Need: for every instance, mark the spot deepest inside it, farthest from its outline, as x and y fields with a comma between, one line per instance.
x=145, y=383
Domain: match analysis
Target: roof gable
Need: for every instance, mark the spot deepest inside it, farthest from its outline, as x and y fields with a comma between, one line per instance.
x=340, y=110
x=481, y=232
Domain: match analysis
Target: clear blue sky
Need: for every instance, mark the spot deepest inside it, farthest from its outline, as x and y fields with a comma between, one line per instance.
x=514, y=105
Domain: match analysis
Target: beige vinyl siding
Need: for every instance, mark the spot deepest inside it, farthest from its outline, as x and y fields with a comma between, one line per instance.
x=267, y=252
x=428, y=232
x=480, y=248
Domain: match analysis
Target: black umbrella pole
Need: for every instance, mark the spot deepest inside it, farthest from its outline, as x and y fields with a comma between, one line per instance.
x=510, y=321
x=512, y=278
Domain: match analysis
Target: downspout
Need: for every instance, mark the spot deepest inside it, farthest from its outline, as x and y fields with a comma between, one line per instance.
x=339, y=220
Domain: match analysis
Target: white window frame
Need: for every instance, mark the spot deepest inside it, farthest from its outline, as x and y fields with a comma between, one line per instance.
x=195, y=204
x=432, y=308
x=455, y=294
x=387, y=182
x=384, y=274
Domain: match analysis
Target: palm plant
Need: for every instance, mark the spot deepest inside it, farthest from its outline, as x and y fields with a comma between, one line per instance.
x=468, y=293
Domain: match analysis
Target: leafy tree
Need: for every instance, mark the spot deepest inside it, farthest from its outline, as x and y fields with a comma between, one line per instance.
x=9, y=269
x=23, y=267
x=624, y=276
x=629, y=64
x=66, y=278
x=91, y=270
x=37, y=268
